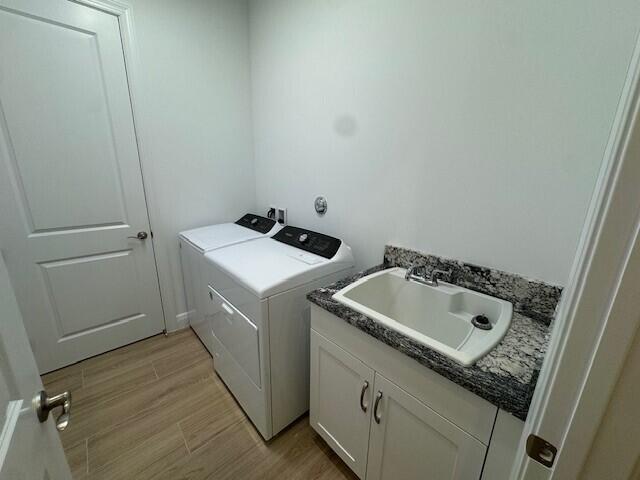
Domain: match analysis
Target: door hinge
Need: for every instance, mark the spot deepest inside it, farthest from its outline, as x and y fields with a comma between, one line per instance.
x=541, y=451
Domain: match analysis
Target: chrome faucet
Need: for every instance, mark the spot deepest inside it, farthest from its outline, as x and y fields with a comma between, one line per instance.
x=418, y=273
x=415, y=272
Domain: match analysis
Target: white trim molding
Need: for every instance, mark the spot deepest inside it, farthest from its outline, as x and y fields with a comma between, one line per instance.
x=114, y=7
x=183, y=319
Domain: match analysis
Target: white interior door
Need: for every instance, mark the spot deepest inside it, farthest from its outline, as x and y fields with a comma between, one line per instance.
x=71, y=193
x=29, y=450
x=596, y=321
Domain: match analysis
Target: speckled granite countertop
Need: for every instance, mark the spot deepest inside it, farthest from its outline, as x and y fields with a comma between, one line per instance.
x=506, y=377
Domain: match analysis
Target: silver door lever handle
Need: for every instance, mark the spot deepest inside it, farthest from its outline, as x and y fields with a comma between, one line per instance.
x=44, y=404
x=140, y=236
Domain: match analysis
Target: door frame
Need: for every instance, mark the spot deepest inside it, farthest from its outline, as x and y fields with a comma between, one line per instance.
x=123, y=11
x=592, y=335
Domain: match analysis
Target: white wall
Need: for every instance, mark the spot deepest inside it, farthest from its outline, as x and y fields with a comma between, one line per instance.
x=468, y=129
x=194, y=121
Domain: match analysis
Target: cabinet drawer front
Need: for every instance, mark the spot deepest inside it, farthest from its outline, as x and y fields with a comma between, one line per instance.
x=337, y=381
x=238, y=334
x=411, y=441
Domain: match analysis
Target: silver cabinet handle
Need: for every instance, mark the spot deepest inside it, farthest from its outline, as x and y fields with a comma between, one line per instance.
x=365, y=386
x=44, y=404
x=376, y=416
x=140, y=236
x=227, y=308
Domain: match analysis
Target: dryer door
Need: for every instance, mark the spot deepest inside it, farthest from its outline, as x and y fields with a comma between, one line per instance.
x=239, y=335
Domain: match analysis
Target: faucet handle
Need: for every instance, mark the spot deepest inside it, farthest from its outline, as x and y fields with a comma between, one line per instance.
x=415, y=269
x=437, y=273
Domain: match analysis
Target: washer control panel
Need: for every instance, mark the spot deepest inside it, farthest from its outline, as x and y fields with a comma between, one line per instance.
x=257, y=223
x=309, y=241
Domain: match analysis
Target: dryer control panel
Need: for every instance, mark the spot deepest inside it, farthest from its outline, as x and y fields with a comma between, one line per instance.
x=256, y=222
x=309, y=241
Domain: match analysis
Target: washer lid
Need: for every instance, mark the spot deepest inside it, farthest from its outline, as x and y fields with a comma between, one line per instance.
x=267, y=267
x=209, y=238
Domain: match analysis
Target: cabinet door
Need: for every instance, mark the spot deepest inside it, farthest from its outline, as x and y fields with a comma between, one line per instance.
x=340, y=403
x=410, y=441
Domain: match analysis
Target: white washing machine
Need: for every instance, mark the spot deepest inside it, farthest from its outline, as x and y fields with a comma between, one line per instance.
x=260, y=319
x=195, y=243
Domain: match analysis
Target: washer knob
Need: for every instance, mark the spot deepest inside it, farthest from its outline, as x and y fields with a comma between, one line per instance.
x=254, y=221
x=303, y=238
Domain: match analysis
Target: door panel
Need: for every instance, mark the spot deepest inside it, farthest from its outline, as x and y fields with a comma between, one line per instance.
x=411, y=441
x=65, y=99
x=70, y=183
x=81, y=290
x=337, y=380
x=29, y=450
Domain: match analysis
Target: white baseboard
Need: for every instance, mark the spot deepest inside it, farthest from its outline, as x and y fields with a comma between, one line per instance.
x=182, y=320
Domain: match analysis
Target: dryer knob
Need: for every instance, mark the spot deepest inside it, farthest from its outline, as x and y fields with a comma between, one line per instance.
x=303, y=238
x=254, y=221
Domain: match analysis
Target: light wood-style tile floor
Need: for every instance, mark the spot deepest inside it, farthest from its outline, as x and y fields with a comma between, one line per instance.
x=156, y=410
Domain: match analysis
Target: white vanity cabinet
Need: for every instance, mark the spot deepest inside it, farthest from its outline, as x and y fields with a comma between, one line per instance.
x=418, y=426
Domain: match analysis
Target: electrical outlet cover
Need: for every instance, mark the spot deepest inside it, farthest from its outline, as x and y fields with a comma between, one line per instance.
x=281, y=217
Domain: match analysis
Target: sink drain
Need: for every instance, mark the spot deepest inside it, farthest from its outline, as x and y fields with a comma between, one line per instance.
x=481, y=322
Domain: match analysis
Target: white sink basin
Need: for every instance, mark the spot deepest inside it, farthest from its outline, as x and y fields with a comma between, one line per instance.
x=437, y=317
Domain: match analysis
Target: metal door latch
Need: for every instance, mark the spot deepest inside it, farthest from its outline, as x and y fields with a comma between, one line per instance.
x=541, y=451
